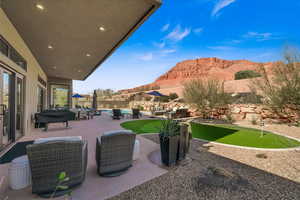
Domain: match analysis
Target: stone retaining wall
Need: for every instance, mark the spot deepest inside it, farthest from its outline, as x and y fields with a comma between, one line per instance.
x=239, y=112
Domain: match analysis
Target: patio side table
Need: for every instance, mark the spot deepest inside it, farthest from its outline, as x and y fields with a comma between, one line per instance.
x=19, y=173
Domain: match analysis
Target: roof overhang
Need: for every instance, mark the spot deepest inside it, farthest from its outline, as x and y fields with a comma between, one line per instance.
x=70, y=39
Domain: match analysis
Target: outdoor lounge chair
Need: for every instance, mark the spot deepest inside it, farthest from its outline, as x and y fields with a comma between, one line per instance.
x=135, y=113
x=114, y=152
x=76, y=111
x=49, y=158
x=83, y=114
x=178, y=113
x=116, y=114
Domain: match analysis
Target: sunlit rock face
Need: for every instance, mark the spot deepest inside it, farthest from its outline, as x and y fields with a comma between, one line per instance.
x=204, y=68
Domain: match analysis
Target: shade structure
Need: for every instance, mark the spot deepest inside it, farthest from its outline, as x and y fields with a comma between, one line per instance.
x=59, y=26
x=155, y=93
x=95, y=100
x=77, y=96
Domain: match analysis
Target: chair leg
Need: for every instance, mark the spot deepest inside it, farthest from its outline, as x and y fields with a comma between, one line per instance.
x=46, y=127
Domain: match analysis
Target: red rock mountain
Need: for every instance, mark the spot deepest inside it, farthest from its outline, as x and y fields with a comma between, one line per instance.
x=203, y=68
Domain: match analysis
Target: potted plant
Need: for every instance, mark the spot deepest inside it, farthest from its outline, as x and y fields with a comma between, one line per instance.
x=169, y=141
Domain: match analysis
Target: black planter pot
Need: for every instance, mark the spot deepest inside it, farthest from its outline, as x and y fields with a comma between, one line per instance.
x=169, y=150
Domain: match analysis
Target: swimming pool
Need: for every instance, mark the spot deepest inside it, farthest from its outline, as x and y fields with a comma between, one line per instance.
x=123, y=111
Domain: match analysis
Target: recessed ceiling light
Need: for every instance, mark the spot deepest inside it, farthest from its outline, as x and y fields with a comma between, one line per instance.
x=54, y=67
x=40, y=6
x=50, y=47
x=101, y=28
x=88, y=55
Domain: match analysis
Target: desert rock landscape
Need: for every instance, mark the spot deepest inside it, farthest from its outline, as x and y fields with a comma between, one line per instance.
x=204, y=68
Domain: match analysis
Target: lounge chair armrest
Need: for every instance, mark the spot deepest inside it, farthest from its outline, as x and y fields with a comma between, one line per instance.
x=85, y=156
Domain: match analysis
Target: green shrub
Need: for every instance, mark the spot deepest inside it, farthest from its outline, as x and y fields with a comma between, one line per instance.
x=61, y=179
x=245, y=74
x=246, y=98
x=162, y=99
x=169, y=128
x=280, y=87
x=140, y=107
x=205, y=95
x=173, y=96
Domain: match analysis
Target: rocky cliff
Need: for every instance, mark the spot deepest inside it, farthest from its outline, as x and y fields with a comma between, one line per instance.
x=203, y=68
x=212, y=68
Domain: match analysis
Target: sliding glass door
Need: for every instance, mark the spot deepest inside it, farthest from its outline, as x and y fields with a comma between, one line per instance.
x=11, y=107
x=19, y=106
x=6, y=136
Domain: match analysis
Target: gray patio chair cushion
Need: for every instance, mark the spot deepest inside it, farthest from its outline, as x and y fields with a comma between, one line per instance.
x=51, y=139
x=114, y=152
x=48, y=160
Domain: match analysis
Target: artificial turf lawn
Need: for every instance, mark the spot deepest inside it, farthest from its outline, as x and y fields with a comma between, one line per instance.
x=227, y=134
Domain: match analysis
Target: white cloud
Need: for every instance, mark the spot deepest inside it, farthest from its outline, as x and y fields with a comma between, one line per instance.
x=178, y=33
x=198, y=31
x=168, y=51
x=146, y=57
x=259, y=36
x=220, y=5
x=159, y=44
x=165, y=27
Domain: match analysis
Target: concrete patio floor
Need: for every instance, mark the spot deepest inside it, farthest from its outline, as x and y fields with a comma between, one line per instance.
x=94, y=187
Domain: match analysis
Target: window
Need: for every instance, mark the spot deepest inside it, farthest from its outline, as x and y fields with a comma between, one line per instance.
x=3, y=47
x=60, y=95
x=15, y=56
x=11, y=53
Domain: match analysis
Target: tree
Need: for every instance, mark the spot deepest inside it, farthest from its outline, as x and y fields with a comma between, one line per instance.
x=205, y=95
x=104, y=93
x=246, y=74
x=280, y=86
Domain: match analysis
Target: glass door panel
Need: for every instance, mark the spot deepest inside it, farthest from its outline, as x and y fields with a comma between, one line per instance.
x=5, y=108
x=41, y=99
x=60, y=96
x=19, y=107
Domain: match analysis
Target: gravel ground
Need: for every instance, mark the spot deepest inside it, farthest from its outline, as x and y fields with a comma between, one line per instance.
x=219, y=172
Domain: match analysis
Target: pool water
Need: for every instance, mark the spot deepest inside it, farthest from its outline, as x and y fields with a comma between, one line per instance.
x=123, y=111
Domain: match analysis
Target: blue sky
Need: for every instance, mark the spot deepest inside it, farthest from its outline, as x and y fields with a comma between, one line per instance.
x=256, y=30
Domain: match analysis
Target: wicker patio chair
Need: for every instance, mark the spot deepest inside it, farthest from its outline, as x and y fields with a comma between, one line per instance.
x=114, y=152
x=47, y=160
x=116, y=114
x=83, y=114
x=135, y=113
